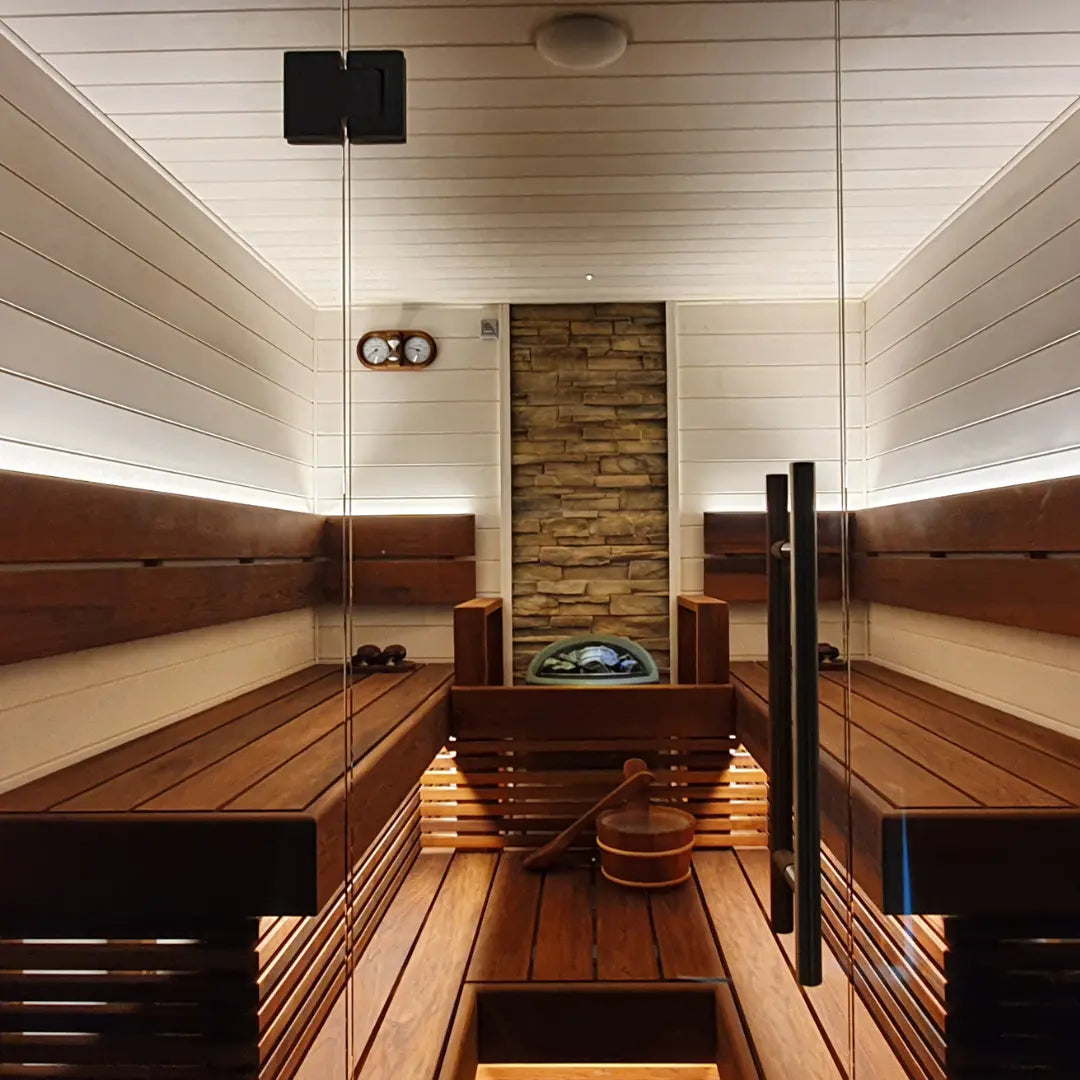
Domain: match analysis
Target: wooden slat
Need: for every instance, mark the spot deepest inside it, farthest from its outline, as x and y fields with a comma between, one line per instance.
x=787, y=1040
x=503, y=951
x=744, y=533
x=1037, y=594
x=130, y=1007
x=565, y=935
x=829, y=1001
x=984, y=841
x=378, y=704
x=683, y=935
x=410, y=1037
x=48, y=612
x=404, y=536
x=625, y=947
x=1043, y=516
x=378, y=783
x=741, y=578
x=1057, y=743
x=897, y=778
x=987, y=783
x=378, y=969
x=47, y=519
x=591, y=712
x=406, y=581
x=523, y=791
x=1060, y=778
x=220, y=784
x=478, y=642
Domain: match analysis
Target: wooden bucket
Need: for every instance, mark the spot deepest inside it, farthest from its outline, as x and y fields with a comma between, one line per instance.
x=646, y=846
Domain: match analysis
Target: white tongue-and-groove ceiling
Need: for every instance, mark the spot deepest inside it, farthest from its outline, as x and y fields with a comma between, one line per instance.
x=702, y=165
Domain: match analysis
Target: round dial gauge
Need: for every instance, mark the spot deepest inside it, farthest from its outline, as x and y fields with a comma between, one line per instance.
x=417, y=350
x=376, y=350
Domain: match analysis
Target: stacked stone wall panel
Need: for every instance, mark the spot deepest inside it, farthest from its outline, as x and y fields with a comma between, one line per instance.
x=589, y=475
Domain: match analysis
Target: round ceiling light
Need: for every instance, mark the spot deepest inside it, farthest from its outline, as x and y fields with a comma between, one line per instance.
x=582, y=42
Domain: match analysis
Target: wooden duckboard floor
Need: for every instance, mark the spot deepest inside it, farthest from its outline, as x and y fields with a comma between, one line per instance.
x=472, y=918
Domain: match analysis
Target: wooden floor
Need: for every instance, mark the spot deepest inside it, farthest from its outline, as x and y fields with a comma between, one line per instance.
x=478, y=918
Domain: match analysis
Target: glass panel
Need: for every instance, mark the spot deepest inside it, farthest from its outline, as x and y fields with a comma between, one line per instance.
x=959, y=191
x=658, y=241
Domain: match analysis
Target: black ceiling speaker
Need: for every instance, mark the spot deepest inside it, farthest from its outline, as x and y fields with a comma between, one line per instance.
x=330, y=97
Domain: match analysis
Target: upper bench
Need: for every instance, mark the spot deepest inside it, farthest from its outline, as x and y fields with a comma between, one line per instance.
x=237, y=810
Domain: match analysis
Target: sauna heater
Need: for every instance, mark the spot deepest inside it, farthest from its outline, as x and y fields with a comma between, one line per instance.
x=592, y=660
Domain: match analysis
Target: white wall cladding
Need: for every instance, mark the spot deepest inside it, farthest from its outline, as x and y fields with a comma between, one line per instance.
x=422, y=442
x=758, y=387
x=973, y=345
x=56, y=711
x=973, y=381
x=143, y=346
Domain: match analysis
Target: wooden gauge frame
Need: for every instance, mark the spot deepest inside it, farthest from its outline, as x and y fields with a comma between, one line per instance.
x=396, y=340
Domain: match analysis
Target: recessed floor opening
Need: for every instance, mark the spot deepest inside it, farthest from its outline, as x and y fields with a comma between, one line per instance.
x=589, y=1032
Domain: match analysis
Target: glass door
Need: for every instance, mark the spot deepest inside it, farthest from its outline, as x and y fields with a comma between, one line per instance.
x=695, y=162
x=958, y=190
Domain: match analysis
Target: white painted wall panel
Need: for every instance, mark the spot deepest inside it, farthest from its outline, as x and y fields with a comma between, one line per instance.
x=143, y=346
x=973, y=381
x=56, y=711
x=1031, y=674
x=421, y=442
x=759, y=387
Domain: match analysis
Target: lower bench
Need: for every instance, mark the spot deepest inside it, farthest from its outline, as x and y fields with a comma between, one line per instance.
x=963, y=901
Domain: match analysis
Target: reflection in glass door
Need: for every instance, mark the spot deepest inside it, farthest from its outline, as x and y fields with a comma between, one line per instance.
x=959, y=189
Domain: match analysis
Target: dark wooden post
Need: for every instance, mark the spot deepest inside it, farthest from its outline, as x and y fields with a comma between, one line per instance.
x=703, y=640
x=478, y=642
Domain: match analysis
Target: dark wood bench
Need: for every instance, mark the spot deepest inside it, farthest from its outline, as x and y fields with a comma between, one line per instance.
x=204, y=868
x=956, y=807
x=963, y=840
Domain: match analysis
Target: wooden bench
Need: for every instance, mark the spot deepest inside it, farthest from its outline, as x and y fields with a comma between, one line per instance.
x=962, y=829
x=185, y=892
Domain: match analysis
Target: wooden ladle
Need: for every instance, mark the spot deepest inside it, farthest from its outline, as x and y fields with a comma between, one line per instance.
x=637, y=779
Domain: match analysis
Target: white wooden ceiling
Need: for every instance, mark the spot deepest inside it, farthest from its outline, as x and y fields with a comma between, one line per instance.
x=701, y=166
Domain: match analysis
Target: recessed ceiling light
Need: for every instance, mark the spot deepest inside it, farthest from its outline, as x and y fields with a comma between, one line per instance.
x=588, y=277
x=583, y=42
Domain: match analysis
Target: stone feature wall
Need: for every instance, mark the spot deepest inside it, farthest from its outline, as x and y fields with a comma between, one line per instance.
x=589, y=439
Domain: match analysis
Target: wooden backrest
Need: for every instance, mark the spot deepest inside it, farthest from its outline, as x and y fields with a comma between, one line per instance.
x=414, y=559
x=88, y=564
x=1005, y=555
x=735, y=556
x=84, y=564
